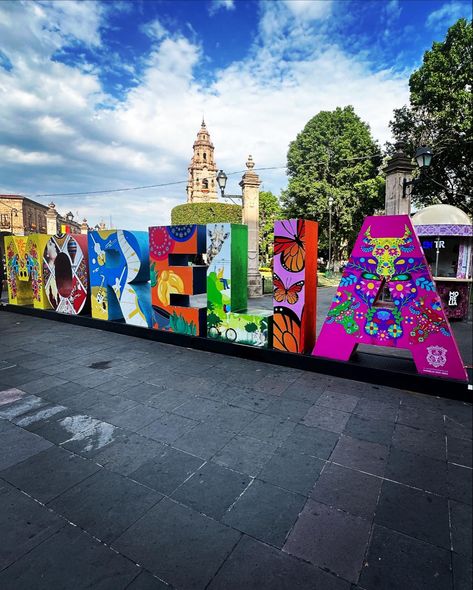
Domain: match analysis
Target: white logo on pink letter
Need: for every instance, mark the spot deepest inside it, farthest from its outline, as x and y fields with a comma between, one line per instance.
x=436, y=356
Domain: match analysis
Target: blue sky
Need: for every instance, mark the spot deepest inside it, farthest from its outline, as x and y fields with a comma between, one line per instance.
x=99, y=95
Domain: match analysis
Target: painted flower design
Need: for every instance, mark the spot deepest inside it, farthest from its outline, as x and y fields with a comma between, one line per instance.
x=359, y=315
x=402, y=290
x=371, y=328
x=367, y=287
x=395, y=331
x=409, y=320
x=383, y=335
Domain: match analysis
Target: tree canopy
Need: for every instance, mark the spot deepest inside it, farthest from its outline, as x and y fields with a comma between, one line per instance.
x=269, y=211
x=334, y=156
x=440, y=115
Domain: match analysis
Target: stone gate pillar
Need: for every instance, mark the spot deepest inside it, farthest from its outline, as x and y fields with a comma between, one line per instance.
x=250, y=184
x=51, y=220
x=398, y=168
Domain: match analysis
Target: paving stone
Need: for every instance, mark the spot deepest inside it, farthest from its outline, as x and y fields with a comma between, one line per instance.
x=108, y=408
x=21, y=406
x=293, y=471
x=417, y=471
x=117, y=386
x=168, y=428
x=17, y=445
x=423, y=419
x=288, y=408
x=362, y=455
x=326, y=418
x=374, y=410
x=127, y=453
x=166, y=470
x=338, y=401
x=136, y=418
x=142, y=392
x=82, y=402
x=42, y=384
x=422, y=442
x=265, y=512
x=198, y=408
x=10, y=395
x=348, y=490
x=87, y=436
x=461, y=523
x=458, y=428
x=254, y=565
x=145, y=581
x=396, y=561
x=61, y=393
x=415, y=513
x=33, y=419
x=462, y=572
x=204, y=440
x=269, y=428
x=245, y=454
x=23, y=524
x=231, y=418
x=97, y=504
x=168, y=400
x=306, y=390
x=49, y=473
x=252, y=400
x=171, y=535
x=19, y=376
x=460, y=483
x=375, y=431
x=312, y=441
x=459, y=451
x=212, y=490
x=330, y=539
x=70, y=559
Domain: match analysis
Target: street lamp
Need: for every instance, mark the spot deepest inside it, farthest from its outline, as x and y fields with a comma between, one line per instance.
x=423, y=157
x=222, y=183
x=330, y=203
x=15, y=211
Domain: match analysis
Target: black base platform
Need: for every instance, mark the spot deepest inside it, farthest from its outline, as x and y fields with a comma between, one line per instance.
x=370, y=368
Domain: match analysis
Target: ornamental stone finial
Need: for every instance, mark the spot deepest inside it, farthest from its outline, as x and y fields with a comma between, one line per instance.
x=250, y=164
x=52, y=205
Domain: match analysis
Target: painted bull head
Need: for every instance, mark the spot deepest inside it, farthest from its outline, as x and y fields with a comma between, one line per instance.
x=386, y=250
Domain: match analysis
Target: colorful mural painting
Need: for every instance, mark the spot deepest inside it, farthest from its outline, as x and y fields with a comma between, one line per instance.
x=18, y=276
x=177, y=271
x=387, y=297
x=66, y=273
x=227, y=290
x=295, y=285
x=119, y=276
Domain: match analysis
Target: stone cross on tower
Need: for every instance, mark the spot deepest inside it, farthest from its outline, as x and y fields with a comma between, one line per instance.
x=250, y=184
x=201, y=184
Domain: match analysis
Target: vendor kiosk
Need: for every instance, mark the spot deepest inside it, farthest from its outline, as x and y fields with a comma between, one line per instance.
x=445, y=233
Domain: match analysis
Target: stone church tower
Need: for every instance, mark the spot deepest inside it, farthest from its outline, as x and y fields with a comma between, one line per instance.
x=202, y=183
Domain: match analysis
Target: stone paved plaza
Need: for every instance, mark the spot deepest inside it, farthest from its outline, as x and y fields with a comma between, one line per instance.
x=126, y=463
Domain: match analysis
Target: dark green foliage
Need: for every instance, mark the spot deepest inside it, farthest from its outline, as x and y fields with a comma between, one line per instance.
x=332, y=156
x=440, y=115
x=203, y=213
x=179, y=325
x=251, y=327
x=269, y=211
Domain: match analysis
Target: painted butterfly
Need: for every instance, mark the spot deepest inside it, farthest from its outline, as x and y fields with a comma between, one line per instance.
x=292, y=249
x=286, y=330
x=289, y=294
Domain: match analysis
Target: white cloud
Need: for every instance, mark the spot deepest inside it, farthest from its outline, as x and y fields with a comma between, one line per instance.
x=309, y=9
x=448, y=14
x=217, y=5
x=53, y=121
x=155, y=30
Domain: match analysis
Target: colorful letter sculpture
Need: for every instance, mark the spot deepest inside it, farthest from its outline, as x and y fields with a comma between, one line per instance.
x=35, y=246
x=387, y=253
x=119, y=276
x=227, y=289
x=294, y=285
x=18, y=276
x=66, y=273
x=174, y=251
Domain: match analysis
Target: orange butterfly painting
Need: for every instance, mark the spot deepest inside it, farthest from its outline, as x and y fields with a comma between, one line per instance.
x=292, y=246
x=288, y=294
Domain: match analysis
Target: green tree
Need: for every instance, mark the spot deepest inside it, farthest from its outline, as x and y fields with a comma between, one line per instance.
x=269, y=211
x=440, y=115
x=251, y=327
x=334, y=156
x=213, y=320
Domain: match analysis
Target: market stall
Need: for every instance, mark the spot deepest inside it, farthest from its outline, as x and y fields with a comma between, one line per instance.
x=445, y=233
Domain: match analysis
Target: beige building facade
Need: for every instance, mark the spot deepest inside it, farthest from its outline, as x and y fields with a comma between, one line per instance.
x=202, y=183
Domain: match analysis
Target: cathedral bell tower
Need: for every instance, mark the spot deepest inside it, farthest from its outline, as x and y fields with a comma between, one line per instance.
x=202, y=184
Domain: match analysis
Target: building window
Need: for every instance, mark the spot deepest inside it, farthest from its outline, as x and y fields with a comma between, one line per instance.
x=4, y=220
x=205, y=184
x=205, y=156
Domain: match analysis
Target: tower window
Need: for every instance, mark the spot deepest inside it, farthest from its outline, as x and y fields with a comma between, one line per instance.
x=205, y=183
x=205, y=156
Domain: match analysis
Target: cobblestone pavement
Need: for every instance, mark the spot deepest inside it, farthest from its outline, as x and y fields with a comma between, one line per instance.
x=127, y=463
